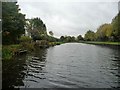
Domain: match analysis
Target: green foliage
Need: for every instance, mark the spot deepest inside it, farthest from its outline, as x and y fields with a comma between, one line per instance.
x=12, y=22
x=89, y=36
x=101, y=43
x=80, y=38
x=62, y=38
x=104, y=32
x=52, y=39
x=25, y=39
x=9, y=51
x=109, y=32
x=42, y=42
x=67, y=39
x=6, y=53
x=54, y=43
x=36, y=28
x=27, y=46
x=116, y=28
x=38, y=31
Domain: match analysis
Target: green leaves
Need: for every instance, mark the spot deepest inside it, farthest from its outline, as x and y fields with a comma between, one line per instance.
x=116, y=27
x=79, y=38
x=104, y=32
x=12, y=22
x=36, y=28
x=89, y=36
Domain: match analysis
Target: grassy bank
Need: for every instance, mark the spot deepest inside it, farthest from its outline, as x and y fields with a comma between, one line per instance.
x=101, y=43
x=8, y=51
x=54, y=43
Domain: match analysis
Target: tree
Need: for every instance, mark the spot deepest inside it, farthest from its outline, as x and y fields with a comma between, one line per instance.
x=62, y=38
x=109, y=32
x=36, y=28
x=12, y=22
x=72, y=39
x=79, y=38
x=67, y=39
x=116, y=27
x=89, y=36
x=104, y=32
x=51, y=33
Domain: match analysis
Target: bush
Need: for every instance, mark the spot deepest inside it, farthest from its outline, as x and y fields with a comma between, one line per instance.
x=6, y=53
x=25, y=39
x=28, y=46
x=9, y=50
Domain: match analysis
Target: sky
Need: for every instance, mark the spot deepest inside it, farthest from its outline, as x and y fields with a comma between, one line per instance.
x=70, y=17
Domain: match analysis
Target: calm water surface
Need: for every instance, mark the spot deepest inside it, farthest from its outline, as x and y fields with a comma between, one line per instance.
x=71, y=65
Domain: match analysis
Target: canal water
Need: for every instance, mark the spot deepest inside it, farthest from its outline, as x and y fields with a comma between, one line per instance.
x=70, y=65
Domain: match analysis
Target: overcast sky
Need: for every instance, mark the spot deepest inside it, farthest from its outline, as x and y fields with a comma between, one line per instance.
x=70, y=17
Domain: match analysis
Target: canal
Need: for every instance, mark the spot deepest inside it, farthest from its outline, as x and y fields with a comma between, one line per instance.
x=70, y=65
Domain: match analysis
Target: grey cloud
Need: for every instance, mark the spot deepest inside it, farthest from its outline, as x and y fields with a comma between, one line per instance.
x=71, y=18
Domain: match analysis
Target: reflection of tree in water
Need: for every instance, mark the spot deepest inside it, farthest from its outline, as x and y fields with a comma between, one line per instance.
x=116, y=63
x=40, y=53
x=11, y=69
x=16, y=70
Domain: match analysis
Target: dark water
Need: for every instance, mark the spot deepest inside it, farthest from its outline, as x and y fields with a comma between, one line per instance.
x=71, y=65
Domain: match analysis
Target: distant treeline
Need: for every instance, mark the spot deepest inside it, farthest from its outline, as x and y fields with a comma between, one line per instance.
x=15, y=27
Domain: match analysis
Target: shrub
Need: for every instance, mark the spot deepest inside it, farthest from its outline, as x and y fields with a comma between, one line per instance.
x=25, y=39
x=9, y=50
x=28, y=46
x=6, y=53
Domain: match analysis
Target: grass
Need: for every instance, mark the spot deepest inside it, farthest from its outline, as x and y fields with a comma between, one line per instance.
x=9, y=50
x=27, y=46
x=101, y=43
x=54, y=43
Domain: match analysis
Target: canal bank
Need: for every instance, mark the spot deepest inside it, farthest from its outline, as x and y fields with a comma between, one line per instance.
x=101, y=43
x=9, y=51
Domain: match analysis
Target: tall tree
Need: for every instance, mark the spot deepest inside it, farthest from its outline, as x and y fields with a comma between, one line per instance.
x=116, y=27
x=12, y=22
x=104, y=32
x=36, y=28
